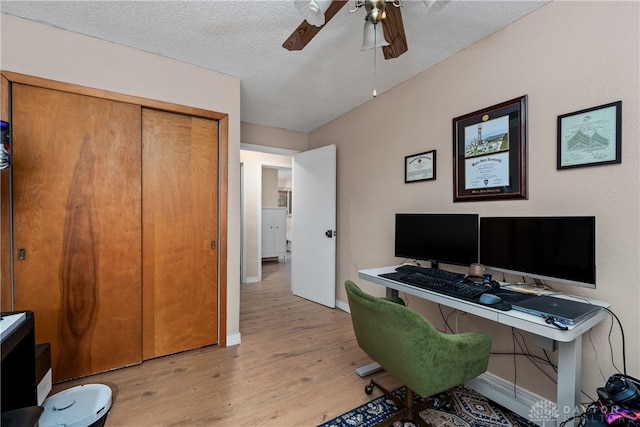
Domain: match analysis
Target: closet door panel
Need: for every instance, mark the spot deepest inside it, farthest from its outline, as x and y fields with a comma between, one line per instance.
x=77, y=207
x=180, y=187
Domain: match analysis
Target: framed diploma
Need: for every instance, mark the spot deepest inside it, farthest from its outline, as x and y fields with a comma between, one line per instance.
x=590, y=137
x=420, y=167
x=489, y=153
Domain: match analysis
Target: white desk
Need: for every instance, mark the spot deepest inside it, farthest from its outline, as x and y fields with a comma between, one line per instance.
x=569, y=341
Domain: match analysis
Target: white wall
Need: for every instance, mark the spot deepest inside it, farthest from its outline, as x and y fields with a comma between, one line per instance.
x=566, y=56
x=269, y=187
x=274, y=137
x=43, y=51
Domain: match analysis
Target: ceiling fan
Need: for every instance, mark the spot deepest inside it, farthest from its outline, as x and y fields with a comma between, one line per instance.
x=318, y=12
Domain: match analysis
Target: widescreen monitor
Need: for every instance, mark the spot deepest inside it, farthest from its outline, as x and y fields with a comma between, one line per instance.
x=560, y=249
x=438, y=238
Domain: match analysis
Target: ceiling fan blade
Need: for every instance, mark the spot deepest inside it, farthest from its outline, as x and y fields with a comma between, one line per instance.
x=394, y=33
x=305, y=31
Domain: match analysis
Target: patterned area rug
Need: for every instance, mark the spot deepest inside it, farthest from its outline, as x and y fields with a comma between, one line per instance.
x=468, y=409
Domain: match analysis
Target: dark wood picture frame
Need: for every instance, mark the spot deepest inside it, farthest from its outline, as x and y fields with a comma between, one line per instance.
x=590, y=137
x=489, y=153
x=420, y=167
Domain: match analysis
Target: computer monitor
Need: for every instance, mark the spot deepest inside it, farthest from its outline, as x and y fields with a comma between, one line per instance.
x=438, y=238
x=560, y=249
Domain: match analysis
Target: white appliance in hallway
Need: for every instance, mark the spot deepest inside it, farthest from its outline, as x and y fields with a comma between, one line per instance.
x=274, y=232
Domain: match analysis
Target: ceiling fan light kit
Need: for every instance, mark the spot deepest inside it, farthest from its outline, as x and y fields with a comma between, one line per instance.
x=312, y=10
x=373, y=36
x=375, y=9
x=393, y=41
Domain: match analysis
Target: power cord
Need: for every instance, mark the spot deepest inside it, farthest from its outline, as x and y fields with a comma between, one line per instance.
x=582, y=420
x=517, y=353
x=595, y=352
x=445, y=319
x=519, y=340
x=624, y=357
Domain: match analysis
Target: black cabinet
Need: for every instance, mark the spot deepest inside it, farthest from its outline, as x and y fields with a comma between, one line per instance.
x=19, y=384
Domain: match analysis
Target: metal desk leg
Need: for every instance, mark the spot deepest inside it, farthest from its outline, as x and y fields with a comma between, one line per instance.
x=569, y=379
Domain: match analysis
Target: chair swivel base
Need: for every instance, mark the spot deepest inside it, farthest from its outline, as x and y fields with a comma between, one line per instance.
x=409, y=410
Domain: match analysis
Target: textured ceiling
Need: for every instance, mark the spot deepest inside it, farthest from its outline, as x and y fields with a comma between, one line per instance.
x=299, y=90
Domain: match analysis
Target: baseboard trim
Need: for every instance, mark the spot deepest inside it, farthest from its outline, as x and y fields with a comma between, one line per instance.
x=252, y=280
x=523, y=403
x=234, y=339
x=343, y=306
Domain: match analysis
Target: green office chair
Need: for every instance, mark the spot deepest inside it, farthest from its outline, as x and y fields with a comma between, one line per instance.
x=407, y=346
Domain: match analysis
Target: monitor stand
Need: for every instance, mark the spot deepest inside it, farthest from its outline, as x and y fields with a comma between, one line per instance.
x=539, y=284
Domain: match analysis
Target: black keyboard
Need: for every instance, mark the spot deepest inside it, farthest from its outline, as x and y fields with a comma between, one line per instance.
x=432, y=272
x=464, y=290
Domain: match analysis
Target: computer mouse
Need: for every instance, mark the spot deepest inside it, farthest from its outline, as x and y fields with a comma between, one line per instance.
x=489, y=299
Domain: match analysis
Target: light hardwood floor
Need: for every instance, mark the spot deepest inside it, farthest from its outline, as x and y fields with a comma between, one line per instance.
x=295, y=367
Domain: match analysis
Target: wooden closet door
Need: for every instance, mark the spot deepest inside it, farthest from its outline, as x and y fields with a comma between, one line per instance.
x=180, y=199
x=77, y=196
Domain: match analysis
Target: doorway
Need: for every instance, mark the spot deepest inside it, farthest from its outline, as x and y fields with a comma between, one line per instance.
x=255, y=160
x=314, y=206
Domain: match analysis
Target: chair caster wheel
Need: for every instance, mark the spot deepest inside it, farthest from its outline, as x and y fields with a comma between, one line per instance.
x=437, y=403
x=369, y=388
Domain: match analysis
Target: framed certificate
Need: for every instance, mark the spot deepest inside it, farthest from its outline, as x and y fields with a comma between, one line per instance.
x=590, y=137
x=489, y=148
x=420, y=167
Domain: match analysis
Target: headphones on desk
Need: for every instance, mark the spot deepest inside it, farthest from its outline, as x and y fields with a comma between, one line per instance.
x=486, y=280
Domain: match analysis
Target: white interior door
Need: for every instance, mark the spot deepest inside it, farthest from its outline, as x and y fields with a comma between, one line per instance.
x=313, y=268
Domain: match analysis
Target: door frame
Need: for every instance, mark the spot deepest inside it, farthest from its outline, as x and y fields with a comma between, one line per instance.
x=257, y=204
